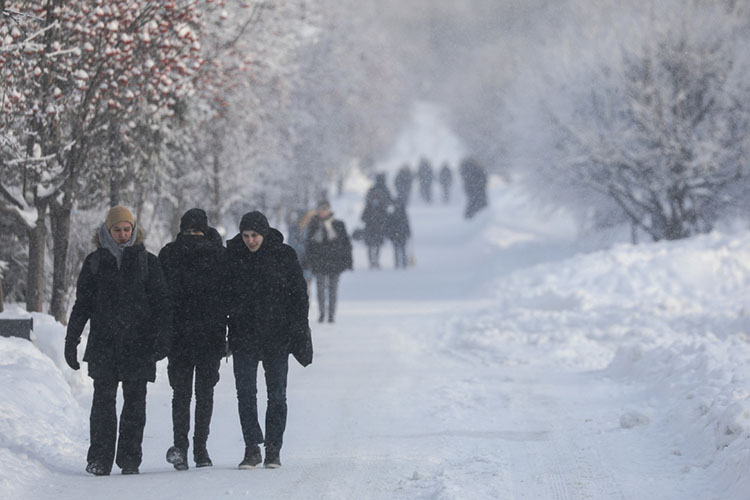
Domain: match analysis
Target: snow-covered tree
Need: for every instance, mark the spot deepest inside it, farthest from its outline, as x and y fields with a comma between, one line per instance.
x=650, y=127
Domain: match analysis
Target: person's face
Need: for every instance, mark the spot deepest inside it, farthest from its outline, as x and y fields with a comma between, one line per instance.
x=121, y=232
x=193, y=232
x=252, y=240
x=323, y=212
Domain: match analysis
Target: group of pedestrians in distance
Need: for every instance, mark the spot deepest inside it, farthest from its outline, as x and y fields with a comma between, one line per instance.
x=180, y=305
x=385, y=216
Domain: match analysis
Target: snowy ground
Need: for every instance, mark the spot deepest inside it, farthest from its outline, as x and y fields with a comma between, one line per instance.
x=509, y=363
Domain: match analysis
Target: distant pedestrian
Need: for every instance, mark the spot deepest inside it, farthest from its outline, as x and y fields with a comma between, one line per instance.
x=193, y=264
x=425, y=176
x=329, y=251
x=399, y=232
x=402, y=183
x=267, y=315
x=475, y=185
x=375, y=217
x=297, y=224
x=445, y=177
x=122, y=291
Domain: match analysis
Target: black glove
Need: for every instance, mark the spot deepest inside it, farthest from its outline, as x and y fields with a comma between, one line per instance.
x=71, y=354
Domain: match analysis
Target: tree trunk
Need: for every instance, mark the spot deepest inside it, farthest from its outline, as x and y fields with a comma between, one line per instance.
x=60, y=222
x=35, y=275
x=2, y=299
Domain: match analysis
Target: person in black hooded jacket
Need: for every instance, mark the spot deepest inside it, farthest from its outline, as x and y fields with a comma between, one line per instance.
x=193, y=264
x=122, y=290
x=268, y=313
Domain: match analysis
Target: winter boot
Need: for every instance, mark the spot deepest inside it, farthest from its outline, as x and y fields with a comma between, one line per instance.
x=96, y=469
x=252, y=457
x=177, y=457
x=200, y=454
x=129, y=471
x=273, y=461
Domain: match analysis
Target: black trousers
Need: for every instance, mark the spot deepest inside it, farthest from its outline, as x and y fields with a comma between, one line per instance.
x=246, y=383
x=181, y=370
x=103, y=423
x=327, y=287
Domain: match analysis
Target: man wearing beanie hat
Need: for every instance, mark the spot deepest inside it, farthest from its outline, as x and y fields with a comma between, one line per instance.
x=267, y=320
x=122, y=292
x=193, y=264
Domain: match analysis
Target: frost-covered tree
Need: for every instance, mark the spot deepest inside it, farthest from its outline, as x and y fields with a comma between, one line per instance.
x=71, y=71
x=650, y=127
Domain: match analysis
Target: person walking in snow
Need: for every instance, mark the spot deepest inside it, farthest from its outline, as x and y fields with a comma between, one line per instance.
x=267, y=318
x=475, y=185
x=192, y=265
x=297, y=225
x=329, y=252
x=122, y=291
x=425, y=175
x=445, y=177
x=375, y=217
x=402, y=183
x=398, y=232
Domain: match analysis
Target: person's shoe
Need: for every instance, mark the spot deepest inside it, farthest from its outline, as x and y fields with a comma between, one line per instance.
x=201, y=457
x=97, y=469
x=273, y=461
x=330, y=320
x=129, y=471
x=321, y=318
x=252, y=457
x=177, y=457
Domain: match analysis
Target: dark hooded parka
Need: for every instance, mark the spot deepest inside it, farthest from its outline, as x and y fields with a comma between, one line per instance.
x=268, y=294
x=130, y=312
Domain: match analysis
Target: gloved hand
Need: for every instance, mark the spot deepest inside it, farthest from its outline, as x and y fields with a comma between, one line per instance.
x=71, y=354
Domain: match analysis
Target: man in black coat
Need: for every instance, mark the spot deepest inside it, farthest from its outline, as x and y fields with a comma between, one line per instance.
x=268, y=314
x=122, y=291
x=329, y=253
x=193, y=264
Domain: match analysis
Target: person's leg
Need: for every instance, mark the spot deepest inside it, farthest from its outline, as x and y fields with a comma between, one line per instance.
x=320, y=284
x=132, y=422
x=333, y=285
x=276, y=370
x=180, y=371
x=245, y=381
x=102, y=427
x=206, y=378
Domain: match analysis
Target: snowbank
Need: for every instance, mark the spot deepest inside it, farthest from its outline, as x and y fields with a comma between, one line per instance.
x=42, y=426
x=672, y=317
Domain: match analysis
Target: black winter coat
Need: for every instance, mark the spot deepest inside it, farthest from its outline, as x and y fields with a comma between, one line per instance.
x=375, y=214
x=268, y=294
x=328, y=256
x=130, y=312
x=193, y=267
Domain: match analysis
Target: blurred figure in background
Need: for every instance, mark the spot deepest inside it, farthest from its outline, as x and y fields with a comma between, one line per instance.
x=375, y=217
x=425, y=175
x=445, y=177
x=402, y=183
x=297, y=223
x=329, y=252
x=399, y=233
x=475, y=185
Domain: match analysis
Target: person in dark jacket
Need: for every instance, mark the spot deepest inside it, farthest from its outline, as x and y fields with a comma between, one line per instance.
x=329, y=252
x=268, y=313
x=399, y=233
x=475, y=185
x=445, y=177
x=375, y=217
x=193, y=264
x=123, y=292
x=425, y=175
x=402, y=183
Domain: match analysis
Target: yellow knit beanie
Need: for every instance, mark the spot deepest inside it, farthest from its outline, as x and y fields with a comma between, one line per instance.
x=119, y=214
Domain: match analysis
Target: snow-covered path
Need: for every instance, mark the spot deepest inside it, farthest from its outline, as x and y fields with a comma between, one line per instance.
x=400, y=403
